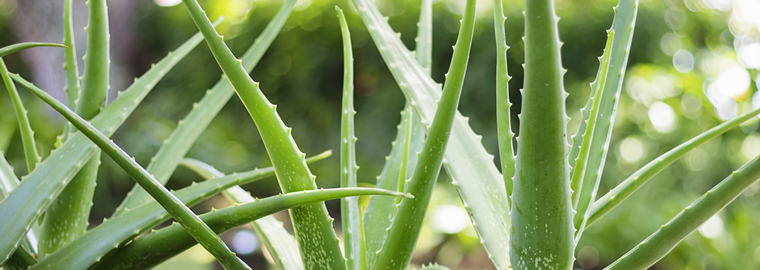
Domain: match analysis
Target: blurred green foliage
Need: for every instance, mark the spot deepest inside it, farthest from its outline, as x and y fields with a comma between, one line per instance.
x=681, y=50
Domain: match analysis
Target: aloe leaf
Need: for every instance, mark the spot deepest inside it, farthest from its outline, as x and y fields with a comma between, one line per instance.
x=349, y=207
x=30, y=154
x=623, y=27
x=190, y=128
x=27, y=133
x=471, y=168
x=320, y=248
x=402, y=159
x=40, y=187
x=424, y=39
x=69, y=62
x=542, y=211
x=25, y=45
x=8, y=180
x=399, y=243
x=503, y=105
x=622, y=191
x=91, y=246
x=379, y=214
x=68, y=217
x=667, y=237
x=95, y=77
x=21, y=258
x=577, y=180
x=282, y=246
x=575, y=144
x=162, y=244
x=179, y=211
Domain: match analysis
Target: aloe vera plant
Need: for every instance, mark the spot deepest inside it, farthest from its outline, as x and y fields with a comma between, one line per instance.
x=530, y=211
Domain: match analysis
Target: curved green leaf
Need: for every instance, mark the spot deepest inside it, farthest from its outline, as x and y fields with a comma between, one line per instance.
x=622, y=191
x=21, y=258
x=163, y=244
x=25, y=204
x=25, y=45
x=199, y=230
x=667, y=237
x=91, y=246
x=503, y=105
x=471, y=168
x=96, y=61
x=282, y=246
x=402, y=160
x=69, y=63
x=26, y=131
x=424, y=39
x=319, y=246
x=195, y=122
x=379, y=214
x=349, y=207
x=601, y=131
x=401, y=239
x=585, y=152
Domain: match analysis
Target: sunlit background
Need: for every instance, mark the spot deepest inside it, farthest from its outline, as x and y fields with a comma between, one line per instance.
x=693, y=64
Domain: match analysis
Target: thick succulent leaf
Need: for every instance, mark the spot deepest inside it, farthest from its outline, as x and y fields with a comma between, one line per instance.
x=503, y=105
x=69, y=62
x=424, y=50
x=479, y=182
x=38, y=189
x=601, y=130
x=179, y=211
x=319, y=245
x=349, y=207
x=282, y=246
x=584, y=152
x=622, y=191
x=91, y=246
x=542, y=212
x=667, y=237
x=25, y=45
x=402, y=236
x=96, y=61
x=190, y=128
x=409, y=139
x=22, y=257
x=160, y=245
x=8, y=180
x=27, y=134
x=402, y=160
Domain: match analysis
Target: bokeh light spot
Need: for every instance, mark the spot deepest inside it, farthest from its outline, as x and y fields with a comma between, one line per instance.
x=245, y=242
x=683, y=61
x=631, y=149
x=751, y=147
x=449, y=218
x=712, y=228
x=167, y=3
x=662, y=117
